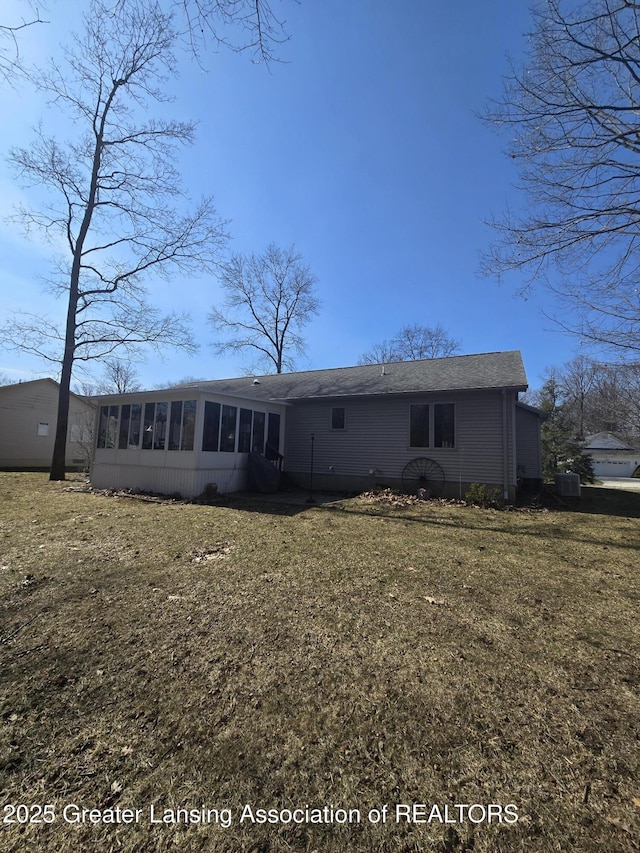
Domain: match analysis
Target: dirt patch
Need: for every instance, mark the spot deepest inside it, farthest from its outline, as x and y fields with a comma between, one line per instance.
x=218, y=551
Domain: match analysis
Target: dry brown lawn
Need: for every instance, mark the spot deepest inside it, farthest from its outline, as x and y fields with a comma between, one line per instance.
x=352, y=656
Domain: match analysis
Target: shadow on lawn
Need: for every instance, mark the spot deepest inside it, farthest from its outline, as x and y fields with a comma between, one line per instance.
x=600, y=501
x=287, y=503
x=595, y=500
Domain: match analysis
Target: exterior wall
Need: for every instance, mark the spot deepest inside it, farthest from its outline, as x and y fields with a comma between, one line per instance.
x=528, y=445
x=371, y=450
x=375, y=446
x=167, y=477
x=25, y=406
x=186, y=472
x=614, y=463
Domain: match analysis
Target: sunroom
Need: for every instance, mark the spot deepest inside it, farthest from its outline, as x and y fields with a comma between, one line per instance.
x=183, y=440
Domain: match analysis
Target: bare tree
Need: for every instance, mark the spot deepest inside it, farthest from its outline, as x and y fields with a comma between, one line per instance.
x=412, y=343
x=113, y=187
x=571, y=116
x=562, y=448
x=596, y=397
x=381, y=353
x=607, y=408
x=577, y=380
x=269, y=298
x=178, y=383
x=119, y=377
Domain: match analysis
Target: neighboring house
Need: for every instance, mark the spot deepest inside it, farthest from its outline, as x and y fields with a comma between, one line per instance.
x=365, y=426
x=611, y=456
x=28, y=412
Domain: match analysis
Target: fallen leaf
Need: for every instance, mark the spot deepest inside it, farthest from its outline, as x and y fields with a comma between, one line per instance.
x=620, y=824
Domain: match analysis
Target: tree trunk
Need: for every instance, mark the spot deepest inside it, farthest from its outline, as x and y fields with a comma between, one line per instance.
x=58, y=466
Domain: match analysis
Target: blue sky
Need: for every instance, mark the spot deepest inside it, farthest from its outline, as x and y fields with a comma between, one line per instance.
x=365, y=150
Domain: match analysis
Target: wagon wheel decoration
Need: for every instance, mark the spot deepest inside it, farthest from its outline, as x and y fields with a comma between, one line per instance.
x=423, y=473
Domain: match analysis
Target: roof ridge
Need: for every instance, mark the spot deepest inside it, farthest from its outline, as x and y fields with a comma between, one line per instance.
x=301, y=373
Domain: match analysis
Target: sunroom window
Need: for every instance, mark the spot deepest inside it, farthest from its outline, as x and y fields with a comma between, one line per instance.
x=244, y=434
x=123, y=433
x=154, y=432
x=211, y=429
x=228, y=429
x=188, y=425
x=134, y=425
x=108, y=426
x=257, y=437
x=160, y=426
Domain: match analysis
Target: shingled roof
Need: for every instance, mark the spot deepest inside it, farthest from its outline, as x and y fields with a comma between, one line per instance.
x=606, y=441
x=453, y=373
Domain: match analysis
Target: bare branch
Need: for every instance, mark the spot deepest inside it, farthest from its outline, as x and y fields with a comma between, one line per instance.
x=239, y=25
x=411, y=343
x=11, y=64
x=269, y=299
x=571, y=115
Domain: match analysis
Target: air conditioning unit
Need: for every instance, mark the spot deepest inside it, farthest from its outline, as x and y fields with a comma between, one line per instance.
x=568, y=485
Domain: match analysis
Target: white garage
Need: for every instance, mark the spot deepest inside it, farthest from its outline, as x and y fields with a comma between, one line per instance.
x=611, y=456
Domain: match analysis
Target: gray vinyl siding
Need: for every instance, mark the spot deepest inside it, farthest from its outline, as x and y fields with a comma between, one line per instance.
x=376, y=438
x=529, y=451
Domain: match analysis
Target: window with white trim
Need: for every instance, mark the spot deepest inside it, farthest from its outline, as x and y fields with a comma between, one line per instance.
x=211, y=431
x=244, y=432
x=228, y=429
x=257, y=436
x=182, y=420
x=108, y=426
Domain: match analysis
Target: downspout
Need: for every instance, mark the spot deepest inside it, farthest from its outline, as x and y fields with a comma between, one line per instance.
x=505, y=448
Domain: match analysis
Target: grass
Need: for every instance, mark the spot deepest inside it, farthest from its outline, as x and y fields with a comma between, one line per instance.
x=349, y=655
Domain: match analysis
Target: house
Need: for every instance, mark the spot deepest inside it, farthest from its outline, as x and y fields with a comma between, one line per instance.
x=28, y=412
x=438, y=424
x=611, y=457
